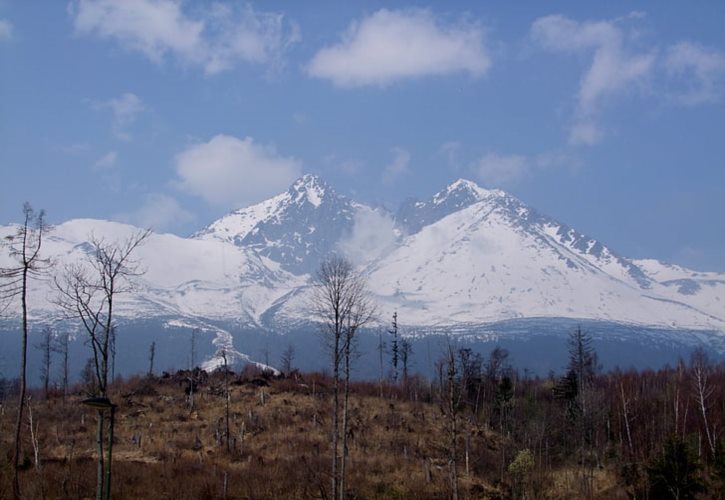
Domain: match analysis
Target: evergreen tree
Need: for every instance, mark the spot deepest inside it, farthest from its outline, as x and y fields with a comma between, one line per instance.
x=675, y=474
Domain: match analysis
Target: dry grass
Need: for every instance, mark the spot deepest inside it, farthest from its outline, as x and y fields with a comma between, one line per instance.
x=279, y=440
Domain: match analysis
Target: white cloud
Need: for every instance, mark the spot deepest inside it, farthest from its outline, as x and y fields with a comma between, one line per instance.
x=397, y=168
x=6, y=30
x=494, y=169
x=159, y=212
x=215, y=39
x=585, y=133
x=700, y=69
x=613, y=70
x=125, y=109
x=107, y=161
x=373, y=235
x=392, y=45
x=230, y=171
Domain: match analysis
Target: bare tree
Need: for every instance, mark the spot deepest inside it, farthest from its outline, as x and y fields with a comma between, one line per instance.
x=87, y=291
x=112, y=349
x=192, y=368
x=45, y=346
x=24, y=248
x=287, y=358
x=341, y=301
x=394, y=351
x=152, y=354
x=452, y=397
x=406, y=351
x=703, y=392
x=381, y=350
x=60, y=346
x=227, y=399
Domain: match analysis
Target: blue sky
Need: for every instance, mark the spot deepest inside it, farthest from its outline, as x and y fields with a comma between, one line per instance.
x=171, y=113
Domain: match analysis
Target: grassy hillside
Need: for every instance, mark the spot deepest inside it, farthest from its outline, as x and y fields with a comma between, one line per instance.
x=279, y=446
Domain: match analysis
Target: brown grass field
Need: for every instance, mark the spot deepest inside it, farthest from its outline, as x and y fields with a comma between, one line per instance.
x=278, y=445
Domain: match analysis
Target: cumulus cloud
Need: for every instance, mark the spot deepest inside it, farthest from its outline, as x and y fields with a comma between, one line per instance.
x=397, y=168
x=614, y=69
x=215, y=38
x=159, y=212
x=373, y=234
x=6, y=30
x=230, y=171
x=494, y=169
x=392, y=45
x=125, y=109
x=701, y=71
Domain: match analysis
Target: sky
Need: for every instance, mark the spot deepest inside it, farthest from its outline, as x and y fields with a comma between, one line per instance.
x=169, y=114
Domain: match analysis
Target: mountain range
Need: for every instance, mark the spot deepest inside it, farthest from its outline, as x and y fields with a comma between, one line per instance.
x=469, y=261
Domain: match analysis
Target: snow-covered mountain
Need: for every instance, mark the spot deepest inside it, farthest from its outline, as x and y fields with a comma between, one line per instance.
x=296, y=229
x=476, y=256
x=464, y=260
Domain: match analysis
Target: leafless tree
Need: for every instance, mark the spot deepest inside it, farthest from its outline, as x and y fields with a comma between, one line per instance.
x=287, y=358
x=45, y=346
x=192, y=368
x=381, y=351
x=703, y=390
x=406, y=351
x=394, y=351
x=451, y=407
x=342, y=303
x=60, y=346
x=87, y=292
x=152, y=354
x=227, y=399
x=24, y=248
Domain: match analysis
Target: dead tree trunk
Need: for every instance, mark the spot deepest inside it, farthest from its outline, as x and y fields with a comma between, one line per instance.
x=25, y=250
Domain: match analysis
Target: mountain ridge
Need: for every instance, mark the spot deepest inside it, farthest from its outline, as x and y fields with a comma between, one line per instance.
x=466, y=256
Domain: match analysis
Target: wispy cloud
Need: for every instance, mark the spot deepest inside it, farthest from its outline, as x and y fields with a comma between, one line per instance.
x=125, y=109
x=451, y=151
x=585, y=132
x=614, y=67
x=700, y=72
x=373, y=234
x=6, y=30
x=216, y=38
x=107, y=171
x=494, y=169
x=393, y=45
x=229, y=171
x=159, y=212
x=107, y=161
x=398, y=167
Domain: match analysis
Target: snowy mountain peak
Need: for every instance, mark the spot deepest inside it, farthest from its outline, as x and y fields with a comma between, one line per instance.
x=310, y=188
x=296, y=229
x=463, y=189
x=414, y=215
